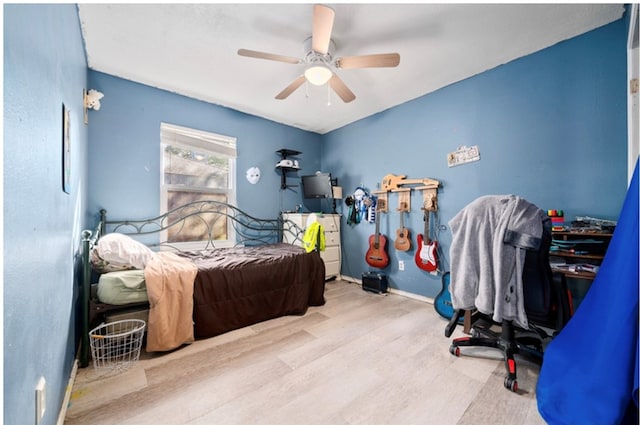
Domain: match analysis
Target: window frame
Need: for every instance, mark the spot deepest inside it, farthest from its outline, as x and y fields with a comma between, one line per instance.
x=211, y=143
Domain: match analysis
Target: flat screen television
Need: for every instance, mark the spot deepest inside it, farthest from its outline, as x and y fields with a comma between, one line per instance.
x=317, y=186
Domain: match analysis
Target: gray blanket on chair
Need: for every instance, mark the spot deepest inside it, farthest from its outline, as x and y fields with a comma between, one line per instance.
x=490, y=239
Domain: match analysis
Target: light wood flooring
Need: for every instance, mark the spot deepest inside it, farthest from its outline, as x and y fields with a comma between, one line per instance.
x=362, y=358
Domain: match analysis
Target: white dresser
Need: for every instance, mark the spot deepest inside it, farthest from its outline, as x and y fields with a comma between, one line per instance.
x=331, y=224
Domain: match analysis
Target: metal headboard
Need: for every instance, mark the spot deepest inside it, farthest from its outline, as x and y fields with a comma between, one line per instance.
x=213, y=216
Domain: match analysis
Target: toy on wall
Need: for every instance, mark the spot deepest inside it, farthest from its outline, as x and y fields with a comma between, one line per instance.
x=91, y=100
x=253, y=175
x=361, y=205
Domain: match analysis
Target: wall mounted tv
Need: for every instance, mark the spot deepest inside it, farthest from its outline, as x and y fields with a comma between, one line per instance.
x=317, y=186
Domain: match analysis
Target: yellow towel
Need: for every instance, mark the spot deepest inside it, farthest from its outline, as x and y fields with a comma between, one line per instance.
x=312, y=236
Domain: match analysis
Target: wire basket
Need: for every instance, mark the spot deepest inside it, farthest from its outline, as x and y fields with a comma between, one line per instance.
x=116, y=345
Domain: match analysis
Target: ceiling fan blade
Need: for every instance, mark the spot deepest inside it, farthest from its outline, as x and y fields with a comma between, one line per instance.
x=268, y=56
x=341, y=89
x=291, y=88
x=383, y=60
x=322, y=26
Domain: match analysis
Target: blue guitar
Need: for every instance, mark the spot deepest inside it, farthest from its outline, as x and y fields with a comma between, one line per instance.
x=442, y=301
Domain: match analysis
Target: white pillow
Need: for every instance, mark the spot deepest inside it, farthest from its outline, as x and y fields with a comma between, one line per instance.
x=116, y=251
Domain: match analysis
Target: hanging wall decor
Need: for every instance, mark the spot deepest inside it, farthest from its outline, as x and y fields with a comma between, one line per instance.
x=253, y=175
x=463, y=155
x=66, y=150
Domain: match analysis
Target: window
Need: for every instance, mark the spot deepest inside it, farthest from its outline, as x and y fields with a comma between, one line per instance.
x=197, y=166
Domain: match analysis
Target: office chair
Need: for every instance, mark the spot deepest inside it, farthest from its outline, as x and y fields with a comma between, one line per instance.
x=546, y=303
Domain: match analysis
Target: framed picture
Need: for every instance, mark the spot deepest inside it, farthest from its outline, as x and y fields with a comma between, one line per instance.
x=66, y=150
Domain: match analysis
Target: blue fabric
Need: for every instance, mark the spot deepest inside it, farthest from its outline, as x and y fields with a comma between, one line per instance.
x=590, y=370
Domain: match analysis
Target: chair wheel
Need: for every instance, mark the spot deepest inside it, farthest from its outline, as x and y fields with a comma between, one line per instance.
x=511, y=384
x=455, y=350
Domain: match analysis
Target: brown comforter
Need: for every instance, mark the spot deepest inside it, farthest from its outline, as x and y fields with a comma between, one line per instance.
x=237, y=287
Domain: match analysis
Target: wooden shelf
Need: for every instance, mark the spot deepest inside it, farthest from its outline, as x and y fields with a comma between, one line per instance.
x=576, y=275
x=593, y=258
x=572, y=255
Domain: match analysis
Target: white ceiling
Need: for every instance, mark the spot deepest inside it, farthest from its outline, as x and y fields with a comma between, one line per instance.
x=191, y=49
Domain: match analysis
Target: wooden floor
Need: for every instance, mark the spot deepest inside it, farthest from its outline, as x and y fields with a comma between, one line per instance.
x=361, y=358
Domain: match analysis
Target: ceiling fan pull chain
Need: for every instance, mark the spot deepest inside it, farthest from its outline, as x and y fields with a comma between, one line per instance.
x=306, y=89
x=328, y=95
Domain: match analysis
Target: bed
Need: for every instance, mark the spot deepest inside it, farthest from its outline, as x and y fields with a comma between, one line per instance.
x=209, y=290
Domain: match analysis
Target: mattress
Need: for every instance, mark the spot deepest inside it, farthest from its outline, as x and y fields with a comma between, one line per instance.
x=122, y=287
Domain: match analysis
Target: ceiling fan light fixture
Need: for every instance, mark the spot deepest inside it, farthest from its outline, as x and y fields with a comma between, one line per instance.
x=318, y=74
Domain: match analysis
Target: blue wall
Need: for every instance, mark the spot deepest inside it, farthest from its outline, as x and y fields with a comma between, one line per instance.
x=551, y=127
x=44, y=67
x=125, y=149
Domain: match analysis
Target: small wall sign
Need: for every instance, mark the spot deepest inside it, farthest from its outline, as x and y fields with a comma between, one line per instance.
x=463, y=155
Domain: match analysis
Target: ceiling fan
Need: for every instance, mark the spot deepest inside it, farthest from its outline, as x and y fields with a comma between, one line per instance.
x=320, y=61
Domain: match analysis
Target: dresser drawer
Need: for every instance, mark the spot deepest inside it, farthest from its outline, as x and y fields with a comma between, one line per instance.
x=331, y=269
x=331, y=238
x=331, y=253
x=331, y=223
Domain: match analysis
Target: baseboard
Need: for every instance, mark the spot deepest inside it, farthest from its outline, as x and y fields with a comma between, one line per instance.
x=67, y=394
x=394, y=291
x=411, y=295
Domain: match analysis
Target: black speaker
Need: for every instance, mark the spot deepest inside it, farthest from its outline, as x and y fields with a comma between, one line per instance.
x=374, y=282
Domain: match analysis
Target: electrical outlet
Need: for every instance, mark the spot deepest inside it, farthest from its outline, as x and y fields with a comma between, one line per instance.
x=41, y=400
x=401, y=265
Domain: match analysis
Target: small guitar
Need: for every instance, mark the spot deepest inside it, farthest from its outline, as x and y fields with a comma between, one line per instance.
x=426, y=254
x=442, y=301
x=392, y=181
x=403, y=240
x=376, y=255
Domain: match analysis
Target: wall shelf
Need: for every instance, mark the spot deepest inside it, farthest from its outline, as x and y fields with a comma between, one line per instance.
x=286, y=154
x=589, y=253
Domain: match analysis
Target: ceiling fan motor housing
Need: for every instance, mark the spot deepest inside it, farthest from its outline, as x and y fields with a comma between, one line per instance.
x=312, y=57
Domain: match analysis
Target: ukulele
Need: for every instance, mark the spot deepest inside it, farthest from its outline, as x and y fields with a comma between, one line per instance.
x=426, y=256
x=403, y=240
x=376, y=255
